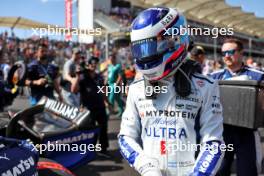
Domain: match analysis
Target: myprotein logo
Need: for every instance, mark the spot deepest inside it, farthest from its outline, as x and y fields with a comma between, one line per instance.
x=166, y=113
x=21, y=168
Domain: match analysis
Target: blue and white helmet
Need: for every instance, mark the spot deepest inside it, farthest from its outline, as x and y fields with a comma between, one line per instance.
x=158, y=43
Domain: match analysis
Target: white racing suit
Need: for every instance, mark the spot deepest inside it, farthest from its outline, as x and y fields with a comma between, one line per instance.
x=159, y=136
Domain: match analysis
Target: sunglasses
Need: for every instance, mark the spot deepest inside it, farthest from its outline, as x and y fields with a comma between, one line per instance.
x=228, y=52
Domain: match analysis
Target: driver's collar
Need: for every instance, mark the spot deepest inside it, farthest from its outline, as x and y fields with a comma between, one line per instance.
x=167, y=81
x=238, y=71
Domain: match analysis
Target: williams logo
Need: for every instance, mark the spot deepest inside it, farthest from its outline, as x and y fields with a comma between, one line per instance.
x=64, y=110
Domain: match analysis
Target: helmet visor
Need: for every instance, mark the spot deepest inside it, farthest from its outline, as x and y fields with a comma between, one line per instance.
x=148, y=53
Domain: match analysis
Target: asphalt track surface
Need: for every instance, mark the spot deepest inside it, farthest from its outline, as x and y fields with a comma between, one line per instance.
x=102, y=166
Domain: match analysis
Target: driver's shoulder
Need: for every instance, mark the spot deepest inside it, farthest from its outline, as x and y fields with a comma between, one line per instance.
x=137, y=83
x=201, y=81
x=136, y=87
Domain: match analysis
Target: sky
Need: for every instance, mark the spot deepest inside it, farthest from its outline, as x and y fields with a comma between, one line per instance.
x=46, y=11
x=52, y=11
x=255, y=6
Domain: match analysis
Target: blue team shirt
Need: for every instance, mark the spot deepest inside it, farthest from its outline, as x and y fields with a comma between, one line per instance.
x=252, y=74
x=35, y=71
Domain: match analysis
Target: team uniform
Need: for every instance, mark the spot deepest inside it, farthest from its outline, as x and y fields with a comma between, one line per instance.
x=113, y=72
x=151, y=129
x=185, y=112
x=246, y=142
x=94, y=101
x=35, y=71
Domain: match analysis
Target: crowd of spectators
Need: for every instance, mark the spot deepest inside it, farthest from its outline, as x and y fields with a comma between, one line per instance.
x=121, y=16
x=83, y=63
x=60, y=69
x=256, y=45
x=14, y=49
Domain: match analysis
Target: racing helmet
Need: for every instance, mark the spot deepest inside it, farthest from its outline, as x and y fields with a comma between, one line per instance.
x=159, y=42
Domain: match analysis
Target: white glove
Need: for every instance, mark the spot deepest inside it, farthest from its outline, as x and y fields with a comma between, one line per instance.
x=147, y=166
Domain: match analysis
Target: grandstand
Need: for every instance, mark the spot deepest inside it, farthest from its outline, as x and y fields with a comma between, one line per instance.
x=115, y=17
x=200, y=13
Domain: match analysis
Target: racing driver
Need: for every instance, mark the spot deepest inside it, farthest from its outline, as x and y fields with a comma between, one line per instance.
x=161, y=125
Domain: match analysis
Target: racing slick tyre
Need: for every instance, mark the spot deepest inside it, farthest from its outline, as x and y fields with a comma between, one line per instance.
x=47, y=167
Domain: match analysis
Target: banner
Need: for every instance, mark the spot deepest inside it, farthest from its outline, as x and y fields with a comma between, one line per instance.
x=68, y=18
x=85, y=20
